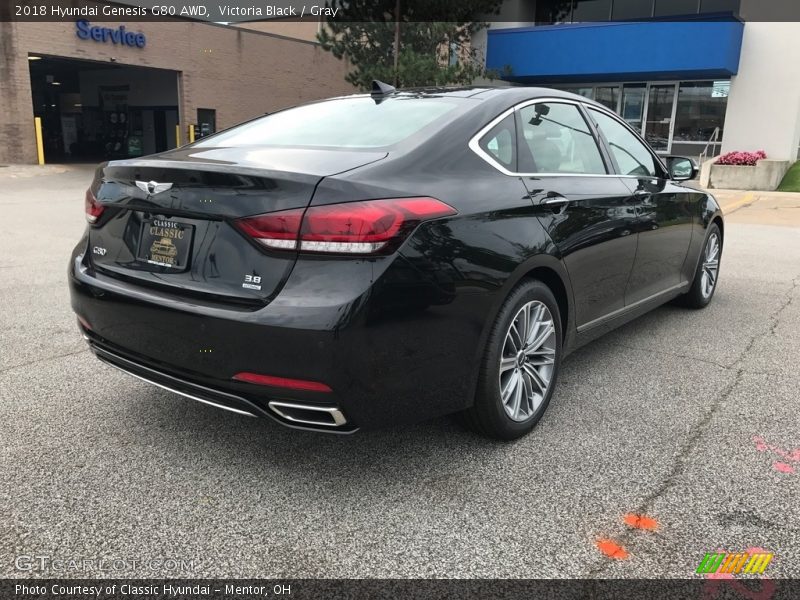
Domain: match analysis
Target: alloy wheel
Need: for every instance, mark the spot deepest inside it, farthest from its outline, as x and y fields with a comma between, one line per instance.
x=710, y=266
x=527, y=361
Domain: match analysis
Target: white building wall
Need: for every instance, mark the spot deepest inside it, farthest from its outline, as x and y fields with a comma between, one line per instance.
x=764, y=103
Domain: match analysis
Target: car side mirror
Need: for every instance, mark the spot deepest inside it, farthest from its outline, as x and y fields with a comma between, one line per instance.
x=681, y=168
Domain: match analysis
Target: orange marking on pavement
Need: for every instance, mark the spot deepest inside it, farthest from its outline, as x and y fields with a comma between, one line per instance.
x=783, y=467
x=641, y=522
x=611, y=549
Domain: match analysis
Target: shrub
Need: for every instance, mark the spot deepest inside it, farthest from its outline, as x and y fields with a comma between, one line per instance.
x=741, y=158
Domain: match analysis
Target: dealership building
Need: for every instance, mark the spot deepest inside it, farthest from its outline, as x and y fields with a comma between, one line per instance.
x=690, y=75
x=107, y=90
x=695, y=77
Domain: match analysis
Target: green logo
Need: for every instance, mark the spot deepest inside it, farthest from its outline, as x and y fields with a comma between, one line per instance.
x=743, y=562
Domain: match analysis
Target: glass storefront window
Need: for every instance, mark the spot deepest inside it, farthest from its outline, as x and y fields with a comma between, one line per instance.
x=659, y=116
x=631, y=9
x=668, y=8
x=701, y=108
x=553, y=11
x=715, y=6
x=633, y=104
x=575, y=11
x=590, y=10
x=608, y=96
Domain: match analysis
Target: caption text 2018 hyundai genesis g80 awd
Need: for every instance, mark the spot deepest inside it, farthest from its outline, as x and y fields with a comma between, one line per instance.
x=384, y=258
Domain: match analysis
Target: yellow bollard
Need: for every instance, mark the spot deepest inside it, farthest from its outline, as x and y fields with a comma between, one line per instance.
x=37, y=124
x=191, y=134
x=178, y=135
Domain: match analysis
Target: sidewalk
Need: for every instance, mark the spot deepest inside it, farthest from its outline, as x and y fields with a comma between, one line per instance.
x=762, y=208
x=27, y=171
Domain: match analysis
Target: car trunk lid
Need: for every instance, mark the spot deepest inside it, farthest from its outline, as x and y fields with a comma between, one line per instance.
x=168, y=221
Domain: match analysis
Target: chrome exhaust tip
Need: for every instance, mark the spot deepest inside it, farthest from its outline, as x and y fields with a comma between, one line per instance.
x=308, y=414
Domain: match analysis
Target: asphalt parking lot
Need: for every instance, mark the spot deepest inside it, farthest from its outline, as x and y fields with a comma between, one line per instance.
x=688, y=417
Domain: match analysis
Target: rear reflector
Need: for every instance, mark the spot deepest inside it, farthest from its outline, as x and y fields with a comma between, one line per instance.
x=84, y=323
x=282, y=382
x=93, y=208
x=365, y=227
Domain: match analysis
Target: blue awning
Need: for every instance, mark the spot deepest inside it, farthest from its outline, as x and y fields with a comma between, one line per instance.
x=617, y=51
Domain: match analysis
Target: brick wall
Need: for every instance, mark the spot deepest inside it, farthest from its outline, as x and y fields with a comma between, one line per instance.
x=240, y=73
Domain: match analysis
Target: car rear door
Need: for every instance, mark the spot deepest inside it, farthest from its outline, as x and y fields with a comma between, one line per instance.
x=664, y=211
x=585, y=208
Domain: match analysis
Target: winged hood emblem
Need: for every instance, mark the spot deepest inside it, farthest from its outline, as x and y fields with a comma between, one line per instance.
x=153, y=187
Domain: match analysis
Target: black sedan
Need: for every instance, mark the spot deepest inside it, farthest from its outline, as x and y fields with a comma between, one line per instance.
x=384, y=258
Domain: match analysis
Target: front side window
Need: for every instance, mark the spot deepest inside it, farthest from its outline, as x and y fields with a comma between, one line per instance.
x=631, y=155
x=557, y=139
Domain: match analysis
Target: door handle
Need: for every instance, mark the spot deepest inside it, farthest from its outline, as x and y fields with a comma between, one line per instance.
x=554, y=200
x=641, y=194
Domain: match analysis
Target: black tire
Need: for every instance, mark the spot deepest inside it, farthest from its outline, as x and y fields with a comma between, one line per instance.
x=695, y=298
x=488, y=416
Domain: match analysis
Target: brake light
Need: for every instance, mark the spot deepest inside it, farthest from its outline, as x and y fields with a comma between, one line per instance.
x=364, y=227
x=282, y=382
x=93, y=208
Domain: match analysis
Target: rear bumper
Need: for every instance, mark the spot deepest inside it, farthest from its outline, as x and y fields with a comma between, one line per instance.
x=386, y=361
x=290, y=414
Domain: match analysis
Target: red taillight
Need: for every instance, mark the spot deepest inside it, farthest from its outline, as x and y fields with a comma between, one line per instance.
x=93, y=208
x=275, y=230
x=283, y=382
x=365, y=227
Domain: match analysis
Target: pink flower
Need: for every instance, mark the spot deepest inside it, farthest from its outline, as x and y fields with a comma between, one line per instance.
x=741, y=158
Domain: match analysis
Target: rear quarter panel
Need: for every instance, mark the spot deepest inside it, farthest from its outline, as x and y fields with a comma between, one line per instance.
x=430, y=312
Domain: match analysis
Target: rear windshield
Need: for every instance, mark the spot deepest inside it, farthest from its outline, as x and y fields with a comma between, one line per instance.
x=343, y=123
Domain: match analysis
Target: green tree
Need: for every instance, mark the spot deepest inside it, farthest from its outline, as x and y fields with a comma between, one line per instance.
x=408, y=42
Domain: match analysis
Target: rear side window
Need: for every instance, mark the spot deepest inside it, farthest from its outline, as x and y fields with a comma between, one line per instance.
x=631, y=155
x=341, y=123
x=500, y=143
x=556, y=139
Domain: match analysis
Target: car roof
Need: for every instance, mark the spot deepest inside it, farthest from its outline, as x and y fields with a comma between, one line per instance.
x=505, y=94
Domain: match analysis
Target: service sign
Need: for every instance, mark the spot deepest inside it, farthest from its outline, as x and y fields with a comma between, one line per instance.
x=118, y=35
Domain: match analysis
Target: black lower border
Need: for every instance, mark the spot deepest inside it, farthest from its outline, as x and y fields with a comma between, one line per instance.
x=352, y=589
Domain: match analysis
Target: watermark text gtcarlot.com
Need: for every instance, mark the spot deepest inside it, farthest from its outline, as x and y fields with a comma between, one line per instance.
x=44, y=563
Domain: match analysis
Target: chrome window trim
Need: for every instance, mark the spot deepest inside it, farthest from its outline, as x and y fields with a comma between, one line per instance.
x=474, y=142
